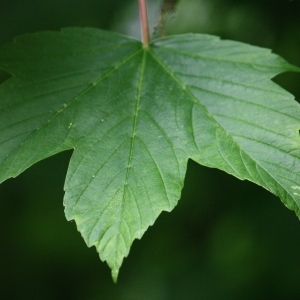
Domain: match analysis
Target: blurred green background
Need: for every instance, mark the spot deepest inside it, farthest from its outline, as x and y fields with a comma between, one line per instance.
x=226, y=239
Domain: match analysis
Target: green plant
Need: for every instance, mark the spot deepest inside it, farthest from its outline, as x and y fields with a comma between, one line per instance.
x=134, y=113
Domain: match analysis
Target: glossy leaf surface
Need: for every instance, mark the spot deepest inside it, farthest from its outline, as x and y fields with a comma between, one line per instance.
x=135, y=116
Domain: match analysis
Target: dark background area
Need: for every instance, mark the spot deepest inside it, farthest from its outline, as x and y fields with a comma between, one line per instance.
x=226, y=239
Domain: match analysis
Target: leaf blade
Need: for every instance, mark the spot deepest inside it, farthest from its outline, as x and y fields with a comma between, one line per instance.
x=135, y=116
x=288, y=122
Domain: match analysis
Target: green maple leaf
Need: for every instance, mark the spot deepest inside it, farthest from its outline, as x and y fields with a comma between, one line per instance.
x=135, y=115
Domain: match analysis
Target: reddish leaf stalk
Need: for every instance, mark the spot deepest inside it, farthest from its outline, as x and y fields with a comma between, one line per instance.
x=144, y=23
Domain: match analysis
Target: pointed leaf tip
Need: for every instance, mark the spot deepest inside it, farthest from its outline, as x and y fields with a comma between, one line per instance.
x=114, y=275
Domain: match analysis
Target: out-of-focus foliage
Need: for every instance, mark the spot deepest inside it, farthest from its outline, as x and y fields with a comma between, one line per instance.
x=212, y=246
